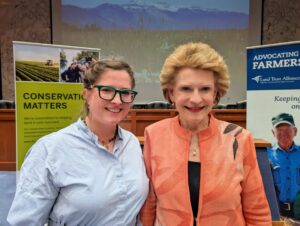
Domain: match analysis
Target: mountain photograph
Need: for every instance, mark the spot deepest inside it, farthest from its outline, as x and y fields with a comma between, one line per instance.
x=144, y=33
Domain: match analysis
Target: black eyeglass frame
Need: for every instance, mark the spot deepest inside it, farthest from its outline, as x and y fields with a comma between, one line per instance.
x=119, y=91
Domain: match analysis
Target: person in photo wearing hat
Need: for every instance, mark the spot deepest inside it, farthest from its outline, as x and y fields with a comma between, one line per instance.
x=284, y=157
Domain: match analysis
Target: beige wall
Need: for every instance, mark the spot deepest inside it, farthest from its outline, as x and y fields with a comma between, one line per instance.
x=30, y=21
x=281, y=21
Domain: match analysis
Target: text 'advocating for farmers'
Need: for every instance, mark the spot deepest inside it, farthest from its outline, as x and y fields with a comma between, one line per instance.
x=273, y=87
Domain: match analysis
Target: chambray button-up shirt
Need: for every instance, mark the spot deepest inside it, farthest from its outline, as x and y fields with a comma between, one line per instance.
x=286, y=171
x=68, y=178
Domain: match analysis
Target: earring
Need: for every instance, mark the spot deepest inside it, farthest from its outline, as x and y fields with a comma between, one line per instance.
x=173, y=105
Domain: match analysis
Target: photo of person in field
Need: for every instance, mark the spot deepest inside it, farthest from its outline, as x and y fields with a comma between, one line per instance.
x=74, y=63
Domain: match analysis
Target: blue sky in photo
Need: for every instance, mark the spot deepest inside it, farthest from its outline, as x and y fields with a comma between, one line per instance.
x=36, y=53
x=226, y=5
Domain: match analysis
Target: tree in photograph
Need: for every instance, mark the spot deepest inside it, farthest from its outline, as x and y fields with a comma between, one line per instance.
x=63, y=59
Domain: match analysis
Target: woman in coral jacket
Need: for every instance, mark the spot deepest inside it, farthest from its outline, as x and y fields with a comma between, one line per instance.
x=203, y=171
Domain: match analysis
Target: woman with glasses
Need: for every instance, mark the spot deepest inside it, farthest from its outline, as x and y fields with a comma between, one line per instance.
x=91, y=172
x=202, y=171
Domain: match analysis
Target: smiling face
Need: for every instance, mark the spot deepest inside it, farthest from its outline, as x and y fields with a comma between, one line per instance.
x=285, y=134
x=193, y=94
x=104, y=112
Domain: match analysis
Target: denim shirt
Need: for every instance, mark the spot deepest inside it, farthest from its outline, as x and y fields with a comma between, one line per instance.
x=286, y=171
x=68, y=178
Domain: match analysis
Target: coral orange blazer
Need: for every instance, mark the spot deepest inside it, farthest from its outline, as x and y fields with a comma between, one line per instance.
x=231, y=189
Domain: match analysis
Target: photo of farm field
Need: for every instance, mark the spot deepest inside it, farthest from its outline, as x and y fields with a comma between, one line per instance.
x=37, y=71
x=36, y=63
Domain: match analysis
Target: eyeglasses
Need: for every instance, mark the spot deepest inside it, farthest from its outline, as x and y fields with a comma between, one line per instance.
x=109, y=93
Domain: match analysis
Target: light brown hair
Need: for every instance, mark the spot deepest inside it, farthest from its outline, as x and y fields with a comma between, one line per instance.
x=96, y=70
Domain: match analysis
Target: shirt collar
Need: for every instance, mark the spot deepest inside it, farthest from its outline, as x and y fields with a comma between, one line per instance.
x=81, y=125
x=292, y=148
x=186, y=134
x=120, y=133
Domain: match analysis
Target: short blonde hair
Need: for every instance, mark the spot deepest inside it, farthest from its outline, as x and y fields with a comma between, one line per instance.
x=198, y=56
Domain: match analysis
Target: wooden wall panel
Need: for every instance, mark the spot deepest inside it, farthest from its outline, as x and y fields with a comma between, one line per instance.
x=7, y=140
x=135, y=122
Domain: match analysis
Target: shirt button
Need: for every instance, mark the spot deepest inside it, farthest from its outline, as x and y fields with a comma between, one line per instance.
x=288, y=178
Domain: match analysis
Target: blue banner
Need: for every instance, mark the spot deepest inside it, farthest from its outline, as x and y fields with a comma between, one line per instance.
x=273, y=87
x=274, y=67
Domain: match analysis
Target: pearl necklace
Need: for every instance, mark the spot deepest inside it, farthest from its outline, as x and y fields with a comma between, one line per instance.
x=194, y=152
x=194, y=146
